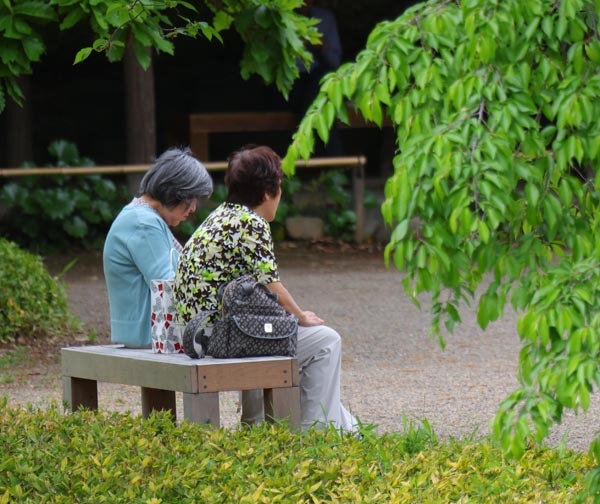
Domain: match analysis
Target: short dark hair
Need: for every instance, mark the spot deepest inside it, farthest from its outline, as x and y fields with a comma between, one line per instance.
x=176, y=177
x=252, y=172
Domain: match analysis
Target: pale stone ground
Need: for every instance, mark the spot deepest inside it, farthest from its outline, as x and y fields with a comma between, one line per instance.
x=392, y=370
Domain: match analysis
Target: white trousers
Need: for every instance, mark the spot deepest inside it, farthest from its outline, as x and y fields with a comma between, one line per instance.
x=320, y=361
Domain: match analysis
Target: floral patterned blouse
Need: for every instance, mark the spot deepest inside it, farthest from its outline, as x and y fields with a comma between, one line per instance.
x=232, y=241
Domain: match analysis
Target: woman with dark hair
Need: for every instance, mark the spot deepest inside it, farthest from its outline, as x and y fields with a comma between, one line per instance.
x=140, y=247
x=235, y=240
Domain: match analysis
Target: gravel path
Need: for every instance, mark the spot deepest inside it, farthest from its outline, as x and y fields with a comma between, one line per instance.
x=392, y=370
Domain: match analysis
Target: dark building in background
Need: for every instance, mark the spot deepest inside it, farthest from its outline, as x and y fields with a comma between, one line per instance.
x=85, y=103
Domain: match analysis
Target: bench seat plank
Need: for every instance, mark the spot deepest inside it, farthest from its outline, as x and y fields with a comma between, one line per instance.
x=115, y=364
x=273, y=374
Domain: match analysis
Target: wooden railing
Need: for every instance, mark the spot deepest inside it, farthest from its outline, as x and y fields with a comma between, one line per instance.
x=354, y=163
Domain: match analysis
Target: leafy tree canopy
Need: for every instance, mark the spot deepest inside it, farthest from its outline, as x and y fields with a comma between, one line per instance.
x=273, y=33
x=493, y=199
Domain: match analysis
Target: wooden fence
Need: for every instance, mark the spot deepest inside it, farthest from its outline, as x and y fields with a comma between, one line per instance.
x=354, y=163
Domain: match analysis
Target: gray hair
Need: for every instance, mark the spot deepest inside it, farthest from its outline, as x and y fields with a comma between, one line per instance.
x=176, y=177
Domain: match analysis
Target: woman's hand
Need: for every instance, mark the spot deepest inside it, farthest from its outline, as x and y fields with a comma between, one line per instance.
x=308, y=318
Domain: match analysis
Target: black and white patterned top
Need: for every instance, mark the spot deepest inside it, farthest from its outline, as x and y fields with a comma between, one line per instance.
x=232, y=241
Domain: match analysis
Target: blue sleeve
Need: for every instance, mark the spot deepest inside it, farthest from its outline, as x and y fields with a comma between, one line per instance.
x=150, y=247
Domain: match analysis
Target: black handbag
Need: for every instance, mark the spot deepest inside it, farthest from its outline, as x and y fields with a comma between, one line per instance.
x=252, y=323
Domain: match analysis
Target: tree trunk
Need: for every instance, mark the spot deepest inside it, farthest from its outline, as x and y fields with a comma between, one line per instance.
x=19, y=133
x=140, y=114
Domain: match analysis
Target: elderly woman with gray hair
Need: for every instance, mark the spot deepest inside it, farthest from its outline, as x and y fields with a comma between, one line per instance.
x=140, y=247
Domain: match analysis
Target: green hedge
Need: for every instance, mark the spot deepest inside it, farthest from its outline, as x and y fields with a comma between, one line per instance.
x=93, y=457
x=49, y=212
x=32, y=302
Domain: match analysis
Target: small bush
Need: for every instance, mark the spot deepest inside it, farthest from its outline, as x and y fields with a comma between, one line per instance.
x=59, y=211
x=91, y=457
x=32, y=303
x=327, y=197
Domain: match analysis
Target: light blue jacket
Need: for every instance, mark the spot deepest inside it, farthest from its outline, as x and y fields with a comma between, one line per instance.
x=137, y=249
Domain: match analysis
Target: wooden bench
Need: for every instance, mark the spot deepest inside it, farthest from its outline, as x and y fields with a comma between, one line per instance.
x=201, y=126
x=200, y=380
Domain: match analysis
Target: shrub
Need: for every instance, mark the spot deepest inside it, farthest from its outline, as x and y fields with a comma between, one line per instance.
x=58, y=211
x=32, y=303
x=92, y=457
x=325, y=196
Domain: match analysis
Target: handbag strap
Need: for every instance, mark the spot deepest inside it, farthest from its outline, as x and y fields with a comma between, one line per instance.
x=171, y=266
x=244, y=278
x=272, y=295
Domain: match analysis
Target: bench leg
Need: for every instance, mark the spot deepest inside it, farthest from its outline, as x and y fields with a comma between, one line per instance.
x=158, y=400
x=202, y=408
x=283, y=404
x=79, y=392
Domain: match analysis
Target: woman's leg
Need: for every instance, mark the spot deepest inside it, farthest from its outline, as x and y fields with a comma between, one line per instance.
x=320, y=360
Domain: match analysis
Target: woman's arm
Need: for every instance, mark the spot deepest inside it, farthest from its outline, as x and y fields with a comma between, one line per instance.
x=305, y=318
x=257, y=251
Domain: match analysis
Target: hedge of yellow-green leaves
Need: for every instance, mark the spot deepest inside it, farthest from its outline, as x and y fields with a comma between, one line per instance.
x=89, y=457
x=32, y=302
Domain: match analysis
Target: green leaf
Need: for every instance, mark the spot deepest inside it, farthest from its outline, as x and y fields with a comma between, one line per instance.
x=484, y=231
x=39, y=10
x=322, y=127
x=222, y=20
x=22, y=27
x=532, y=193
x=141, y=34
x=142, y=54
x=100, y=44
x=34, y=48
x=400, y=231
x=82, y=55
x=488, y=309
x=72, y=18
x=262, y=16
x=551, y=213
x=548, y=26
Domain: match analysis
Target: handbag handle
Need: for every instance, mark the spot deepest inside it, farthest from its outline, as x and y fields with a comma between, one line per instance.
x=250, y=279
x=171, y=268
x=272, y=295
